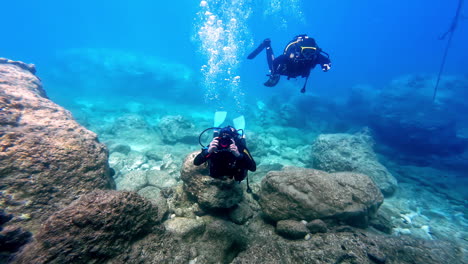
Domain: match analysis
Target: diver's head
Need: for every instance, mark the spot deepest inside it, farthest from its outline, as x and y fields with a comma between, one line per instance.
x=309, y=48
x=226, y=135
x=309, y=53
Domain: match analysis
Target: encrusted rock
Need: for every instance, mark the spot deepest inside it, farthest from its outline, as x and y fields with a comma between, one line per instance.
x=307, y=194
x=12, y=237
x=161, y=178
x=210, y=193
x=94, y=228
x=317, y=226
x=124, y=149
x=155, y=196
x=241, y=213
x=362, y=248
x=132, y=181
x=354, y=153
x=291, y=229
x=46, y=158
x=25, y=66
x=177, y=129
x=216, y=241
x=382, y=222
x=185, y=227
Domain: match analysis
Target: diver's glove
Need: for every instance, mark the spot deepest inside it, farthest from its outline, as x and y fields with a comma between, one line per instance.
x=234, y=150
x=326, y=67
x=213, y=145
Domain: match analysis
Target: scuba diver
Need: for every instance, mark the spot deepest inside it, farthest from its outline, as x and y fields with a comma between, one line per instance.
x=300, y=56
x=227, y=154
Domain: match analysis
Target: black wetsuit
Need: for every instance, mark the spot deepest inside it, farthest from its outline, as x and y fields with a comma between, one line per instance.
x=224, y=163
x=293, y=68
x=299, y=57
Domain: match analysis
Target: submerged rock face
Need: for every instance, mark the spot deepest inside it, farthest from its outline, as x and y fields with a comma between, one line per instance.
x=205, y=240
x=350, y=247
x=306, y=194
x=344, y=152
x=46, y=158
x=12, y=238
x=424, y=127
x=98, y=226
x=210, y=193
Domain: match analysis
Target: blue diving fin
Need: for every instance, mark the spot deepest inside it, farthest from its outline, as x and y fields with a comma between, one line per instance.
x=219, y=118
x=239, y=122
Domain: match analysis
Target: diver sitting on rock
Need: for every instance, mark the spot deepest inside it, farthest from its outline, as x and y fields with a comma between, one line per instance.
x=300, y=56
x=227, y=155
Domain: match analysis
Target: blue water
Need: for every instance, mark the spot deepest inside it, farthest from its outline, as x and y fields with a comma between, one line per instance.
x=369, y=41
x=193, y=54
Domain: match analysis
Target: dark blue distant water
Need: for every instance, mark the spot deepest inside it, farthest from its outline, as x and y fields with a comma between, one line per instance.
x=369, y=41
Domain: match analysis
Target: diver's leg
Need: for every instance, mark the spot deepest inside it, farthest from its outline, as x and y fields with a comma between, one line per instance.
x=259, y=49
x=276, y=65
x=269, y=54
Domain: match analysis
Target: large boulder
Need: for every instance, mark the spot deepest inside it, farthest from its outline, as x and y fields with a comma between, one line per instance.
x=46, y=158
x=98, y=226
x=307, y=194
x=210, y=193
x=345, y=152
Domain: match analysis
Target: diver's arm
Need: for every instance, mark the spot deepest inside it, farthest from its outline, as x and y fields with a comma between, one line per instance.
x=201, y=158
x=324, y=62
x=206, y=152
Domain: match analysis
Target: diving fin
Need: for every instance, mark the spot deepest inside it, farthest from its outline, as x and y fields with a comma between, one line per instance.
x=256, y=51
x=239, y=122
x=219, y=118
x=274, y=79
x=303, y=90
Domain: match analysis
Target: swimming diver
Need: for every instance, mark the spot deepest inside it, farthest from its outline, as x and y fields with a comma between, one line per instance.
x=300, y=56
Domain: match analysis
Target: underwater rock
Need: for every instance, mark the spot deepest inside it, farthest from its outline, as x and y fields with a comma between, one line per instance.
x=360, y=247
x=175, y=129
x=382, y=221
x=124, y=149
x=132, y=181
x=184, y=227
x=12, y=237
x=46, y=158
x=210, y=193
x=154, y=154
x=241, y=213
x=155, y=196
x=161, y=178
x=132, y=130
x=354, y=153
x=317, y=226
x=126, y=163
x=25, y=66
x=150, y=192
x=291, y=229
x=203, y=240
x=97, y=227
x=307, y=194
x=129, y=121
x=225, y=236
